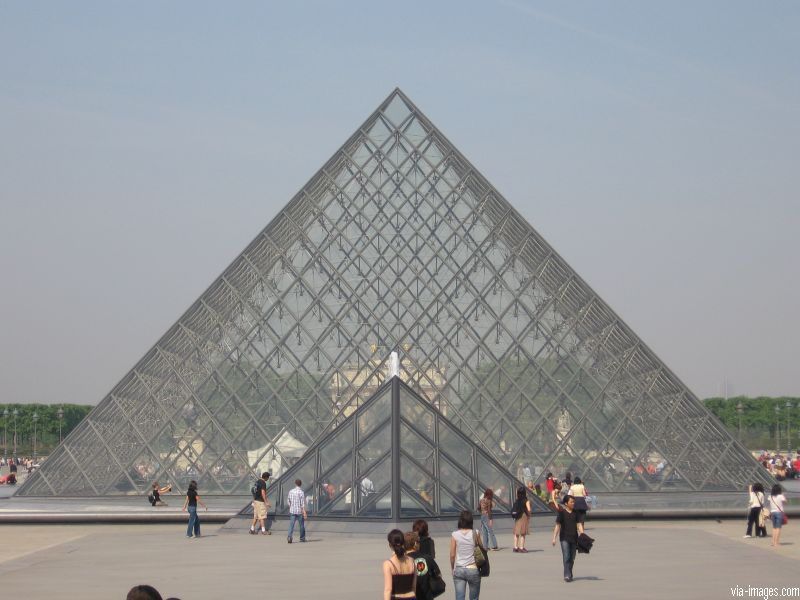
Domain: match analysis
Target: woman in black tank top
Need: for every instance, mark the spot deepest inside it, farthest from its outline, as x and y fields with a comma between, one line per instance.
x=399, y=572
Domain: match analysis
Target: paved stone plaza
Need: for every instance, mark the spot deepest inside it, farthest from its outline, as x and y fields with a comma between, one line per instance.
x=682, y=559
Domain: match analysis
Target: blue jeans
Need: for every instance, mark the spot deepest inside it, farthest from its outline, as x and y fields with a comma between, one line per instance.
x=194, y=522
x=568, y=551
x=487, y=533
x=777, y=520
x=292, y=520
x=462, y=576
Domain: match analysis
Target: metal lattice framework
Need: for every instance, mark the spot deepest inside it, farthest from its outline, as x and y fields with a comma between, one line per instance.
x=396, y=457
x=397, y=243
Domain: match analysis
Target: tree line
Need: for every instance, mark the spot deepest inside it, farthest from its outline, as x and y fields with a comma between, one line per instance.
x=762, y=423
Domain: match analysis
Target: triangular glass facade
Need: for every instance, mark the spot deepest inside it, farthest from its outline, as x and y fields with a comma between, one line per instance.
x=398, y=243
x=395, y=458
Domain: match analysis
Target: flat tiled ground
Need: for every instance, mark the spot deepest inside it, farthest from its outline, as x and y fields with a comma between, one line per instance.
x=651, y=560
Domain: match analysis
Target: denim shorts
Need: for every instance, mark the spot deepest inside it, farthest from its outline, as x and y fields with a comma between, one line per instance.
x=777, y=520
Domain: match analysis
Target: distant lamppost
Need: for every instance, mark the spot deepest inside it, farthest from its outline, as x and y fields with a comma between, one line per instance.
x=5, y=432
x=777, y=428
x=15, y=412
x=739, y=411
x=35, y=419
x=788, y=429
x=60, y=415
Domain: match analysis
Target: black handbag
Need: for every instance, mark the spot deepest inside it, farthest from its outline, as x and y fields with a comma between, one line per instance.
x=437, y=585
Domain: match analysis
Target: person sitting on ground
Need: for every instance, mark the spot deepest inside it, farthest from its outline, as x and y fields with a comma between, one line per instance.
x=155, y=494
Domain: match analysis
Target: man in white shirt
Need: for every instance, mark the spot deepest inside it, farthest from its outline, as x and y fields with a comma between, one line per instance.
x=297, y=510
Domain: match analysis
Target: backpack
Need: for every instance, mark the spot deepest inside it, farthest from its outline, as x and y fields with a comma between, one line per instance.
x=518, y=509
x=255, y=490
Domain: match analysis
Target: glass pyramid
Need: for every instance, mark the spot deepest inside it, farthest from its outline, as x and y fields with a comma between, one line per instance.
x=398, y=243
x=398, y=458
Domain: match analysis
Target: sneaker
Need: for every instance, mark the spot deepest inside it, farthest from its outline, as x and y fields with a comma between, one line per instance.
x=252, y=531
x=289, y=540
x=188, y=536
x=566, y=579
x=516, y=549
x=747, y=536
x=303, y=541
x=495, y=548
x=524, y=550
x=266, y=533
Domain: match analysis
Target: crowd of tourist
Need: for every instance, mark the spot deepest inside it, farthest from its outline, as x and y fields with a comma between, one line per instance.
x=779, y=466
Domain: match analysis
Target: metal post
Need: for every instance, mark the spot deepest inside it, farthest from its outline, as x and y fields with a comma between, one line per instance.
x=739, y=411
x=777, y=428
x=396, y=448
x=35, y=419
x=5, y=432
x=60, y=414
x=788, y=430
x=15, y=412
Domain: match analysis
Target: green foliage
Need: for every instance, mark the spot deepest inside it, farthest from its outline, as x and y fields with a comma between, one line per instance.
x=761, y=426
x=46, y=429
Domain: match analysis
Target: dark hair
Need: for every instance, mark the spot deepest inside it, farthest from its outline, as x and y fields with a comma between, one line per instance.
x=521, y=493
x=465, y=519
x=193, y=485
x=421, y=527
x=397, y=541
x=488, y=493
x=566, y=499
x=549, y=474
x=266, y=475
x=143, y=592
x=411, y=539
x=578, y=480
x=777, y=489
x=298, y=482
x=757, y=487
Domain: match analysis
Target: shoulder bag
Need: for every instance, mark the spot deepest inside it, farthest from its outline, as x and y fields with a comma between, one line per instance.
x=480, y=556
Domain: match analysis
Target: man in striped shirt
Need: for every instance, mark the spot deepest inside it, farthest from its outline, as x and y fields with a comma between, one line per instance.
x=297, y=510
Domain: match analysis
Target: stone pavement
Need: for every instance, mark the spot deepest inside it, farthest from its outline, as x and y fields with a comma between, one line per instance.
x=698, y=559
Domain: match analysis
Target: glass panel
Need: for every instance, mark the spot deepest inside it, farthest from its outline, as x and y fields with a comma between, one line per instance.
x=414, y=412
x=417, y=479
x=375, y=414
x=457, y=482
x=374, y=449
x=453, y=444
x=335, y=448
x=335, y=483
x=416, y=447
x=411, y=507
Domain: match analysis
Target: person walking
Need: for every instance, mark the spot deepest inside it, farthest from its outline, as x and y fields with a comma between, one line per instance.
x=569, y=525
x=426, y=543
x=297, y=511
x=521, y=511
x=400, y=571
x=462, y=558
x=260, y=505
x=776, y=502
x=190, y=505
x=755, y=514
x=429, y=577
x=578, y=491
x=487, y=522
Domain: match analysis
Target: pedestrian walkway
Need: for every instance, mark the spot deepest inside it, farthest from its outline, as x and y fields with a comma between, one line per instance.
x=654, y=560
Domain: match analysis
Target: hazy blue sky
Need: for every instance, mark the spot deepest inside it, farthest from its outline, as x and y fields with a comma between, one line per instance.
x=143, y=145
